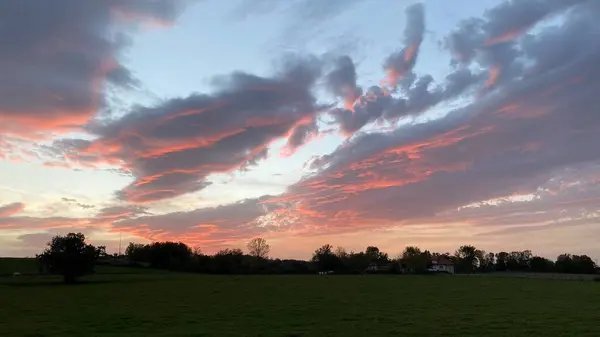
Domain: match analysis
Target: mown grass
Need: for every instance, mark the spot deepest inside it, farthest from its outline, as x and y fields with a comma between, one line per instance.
x=200, y=305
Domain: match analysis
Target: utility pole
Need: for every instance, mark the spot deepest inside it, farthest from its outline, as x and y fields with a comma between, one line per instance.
x=120, y=234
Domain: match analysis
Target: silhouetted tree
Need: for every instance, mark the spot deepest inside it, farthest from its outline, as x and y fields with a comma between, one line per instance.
x=102, y=251
x=356, y=262
x=341, y=252
x=69, y=256
x=501, y=261
x=196, y=250
x=519, y=260
x=138, y=252
x=229, y=261
x=488, y=262
x=258, y=247
x=166, y=255
x=575, y=264
x=376, y=256
x=539, y=264
x=468, y=258
x=325, y=260
x=416, y=260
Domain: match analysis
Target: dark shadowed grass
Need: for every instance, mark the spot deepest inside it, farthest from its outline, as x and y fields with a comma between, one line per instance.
x=198, y=305
x=9, y=265
x=29, y=266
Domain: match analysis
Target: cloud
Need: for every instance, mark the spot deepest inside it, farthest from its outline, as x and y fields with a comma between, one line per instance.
x=513, y=140
x=412, y=94
x=531, y=132
x=341, y=81
x=491, y=41
x=116, y=213
x=29, y=222
x=212, y=225
x=11, y=209
x=400, y=63
x=35, y=239
x=58, y=58
x=75, y=202
x=171, y=148
x=103, y=218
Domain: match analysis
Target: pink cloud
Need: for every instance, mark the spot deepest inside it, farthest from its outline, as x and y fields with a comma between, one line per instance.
x=11, y=209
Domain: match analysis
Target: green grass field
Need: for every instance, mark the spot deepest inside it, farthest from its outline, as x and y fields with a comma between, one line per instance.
x=198, y=305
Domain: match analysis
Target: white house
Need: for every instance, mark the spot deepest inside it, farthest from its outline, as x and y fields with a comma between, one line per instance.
x=442, y=264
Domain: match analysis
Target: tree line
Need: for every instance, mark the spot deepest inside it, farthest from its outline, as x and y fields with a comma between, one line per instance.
x=72, y=257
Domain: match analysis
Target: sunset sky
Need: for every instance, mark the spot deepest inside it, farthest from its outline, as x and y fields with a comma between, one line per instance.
x=306, y=122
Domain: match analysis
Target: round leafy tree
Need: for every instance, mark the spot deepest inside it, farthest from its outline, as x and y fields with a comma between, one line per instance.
x=69, y=256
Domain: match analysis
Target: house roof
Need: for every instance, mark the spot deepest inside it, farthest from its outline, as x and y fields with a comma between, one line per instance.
x=442, y=260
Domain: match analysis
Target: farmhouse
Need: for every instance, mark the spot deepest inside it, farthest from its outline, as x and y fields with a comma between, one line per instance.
x=442, y=264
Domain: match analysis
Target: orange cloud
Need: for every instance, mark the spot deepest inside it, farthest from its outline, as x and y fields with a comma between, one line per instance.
x=509, y=36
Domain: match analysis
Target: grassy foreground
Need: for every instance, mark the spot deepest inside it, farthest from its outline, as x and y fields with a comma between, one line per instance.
x=199, y=305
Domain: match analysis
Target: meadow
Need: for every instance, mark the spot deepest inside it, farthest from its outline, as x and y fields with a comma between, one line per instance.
x=132, y=302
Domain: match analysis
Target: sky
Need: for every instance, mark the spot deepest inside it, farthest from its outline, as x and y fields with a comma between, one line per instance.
x=305, y=122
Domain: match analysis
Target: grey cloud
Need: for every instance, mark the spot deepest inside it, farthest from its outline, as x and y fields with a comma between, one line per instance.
x=516, y=16
x=491, y=40
x=206, y=224
x=28, y=222
x=35, y=239
x=416, y=93
x=57, y=55
x=85, y=206
x=171, y=148
x=341, y=80
x=115, y=213
x=465, y=39
x=302, y=133
x=419, y=94
x=368, y=110
x=513, y=140
x=415, y=23
x=9, y=218
x=75, y=202
x=40, y=239
x=570, y=197
x=459, y=81
x=403, y=61
x=470, y=41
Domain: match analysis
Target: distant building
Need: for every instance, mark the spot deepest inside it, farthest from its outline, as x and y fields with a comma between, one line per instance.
x=442, y=264
x=375, y=268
